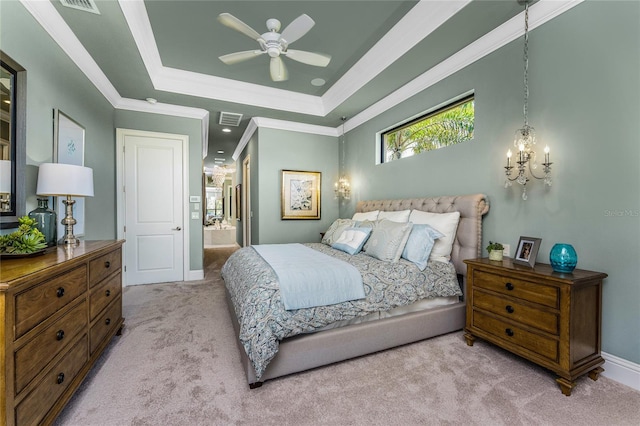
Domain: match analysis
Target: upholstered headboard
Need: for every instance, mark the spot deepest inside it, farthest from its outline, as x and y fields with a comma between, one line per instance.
x=468, y=241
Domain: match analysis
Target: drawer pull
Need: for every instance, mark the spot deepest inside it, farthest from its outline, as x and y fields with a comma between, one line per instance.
x=107, y=264
x=509, y=332
x=107, y=321
x=60, y=378
x=509, y=286
x=60, y=292
x=60, y=335
x=107, y=293
x=509, y=309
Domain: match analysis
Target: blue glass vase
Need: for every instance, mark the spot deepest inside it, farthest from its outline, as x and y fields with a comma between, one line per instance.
x=563, y=258
x=46, y=222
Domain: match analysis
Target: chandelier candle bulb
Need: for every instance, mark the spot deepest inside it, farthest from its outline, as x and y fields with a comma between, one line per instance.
x=509, y=158
x=546, y=154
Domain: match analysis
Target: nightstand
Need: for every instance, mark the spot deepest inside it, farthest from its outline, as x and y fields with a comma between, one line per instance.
x=549, y=318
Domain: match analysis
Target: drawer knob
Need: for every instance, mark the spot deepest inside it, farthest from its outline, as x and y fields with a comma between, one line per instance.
x=60, y=335
x=107, y=321
x=107, y=293
x=107, y=264
x=60, y=378
x=509, y=286
x=509, y=309
x=60, y=292
x=509, y=332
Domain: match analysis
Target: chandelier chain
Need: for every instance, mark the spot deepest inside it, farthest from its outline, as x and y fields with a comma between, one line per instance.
x=526, y=65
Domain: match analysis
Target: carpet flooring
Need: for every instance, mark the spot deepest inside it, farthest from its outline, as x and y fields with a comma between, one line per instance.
x=177, y=363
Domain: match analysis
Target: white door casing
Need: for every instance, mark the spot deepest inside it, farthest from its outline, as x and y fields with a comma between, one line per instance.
x=246, y=202
x=152, y=182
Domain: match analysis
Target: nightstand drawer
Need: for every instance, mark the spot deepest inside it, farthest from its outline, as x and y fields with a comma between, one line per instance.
x=103, y=266
x=103, y=294
x=525, y=290
x=30, y=358
x=509, y=332
x=515, y=311
x=38, y=303
x=36, y=405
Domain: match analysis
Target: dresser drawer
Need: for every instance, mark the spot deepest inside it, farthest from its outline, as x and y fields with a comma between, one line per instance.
x=515, y=311
x=525, y=290
x=36, y=405
x=508, y=332
x=30, y=358
x=106, y=323
x=38, y=303
x=104, y=294
x=103, y=266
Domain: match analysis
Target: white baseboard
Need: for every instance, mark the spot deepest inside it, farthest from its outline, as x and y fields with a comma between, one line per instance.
x=195, y=275
x=622, y=371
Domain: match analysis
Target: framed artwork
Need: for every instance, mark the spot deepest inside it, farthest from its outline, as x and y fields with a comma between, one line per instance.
x=68, y=148
x=239, y=202
x=300, y=194
x=527, y=251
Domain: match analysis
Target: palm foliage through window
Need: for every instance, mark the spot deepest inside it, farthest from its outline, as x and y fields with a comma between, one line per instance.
x=447, y=126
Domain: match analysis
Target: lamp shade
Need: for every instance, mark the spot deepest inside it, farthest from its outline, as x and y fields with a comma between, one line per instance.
x=64, y=179
x=5, y=177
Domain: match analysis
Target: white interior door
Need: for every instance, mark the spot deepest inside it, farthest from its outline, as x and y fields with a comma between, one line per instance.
x=154, y=215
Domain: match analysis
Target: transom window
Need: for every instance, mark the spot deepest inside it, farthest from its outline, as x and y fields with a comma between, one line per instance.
x=448, y=125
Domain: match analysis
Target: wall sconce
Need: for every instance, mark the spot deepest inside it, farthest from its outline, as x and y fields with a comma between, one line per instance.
x=342, y=188
x=66, y=180
x=525, y=138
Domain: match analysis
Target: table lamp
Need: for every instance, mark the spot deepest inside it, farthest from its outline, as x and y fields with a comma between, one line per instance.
x=65, y=180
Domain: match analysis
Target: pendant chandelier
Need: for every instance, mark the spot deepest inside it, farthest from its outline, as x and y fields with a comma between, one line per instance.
x=525, y=138
x=342, y=188
x=219, y=175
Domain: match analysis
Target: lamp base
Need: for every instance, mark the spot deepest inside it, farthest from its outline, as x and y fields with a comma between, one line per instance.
x=69, y=239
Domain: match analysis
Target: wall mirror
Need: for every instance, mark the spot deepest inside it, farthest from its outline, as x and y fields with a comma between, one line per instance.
x=12, y=141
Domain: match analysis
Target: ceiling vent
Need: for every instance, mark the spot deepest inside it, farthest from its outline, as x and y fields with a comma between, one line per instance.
x=86, y=5
x=229, y=119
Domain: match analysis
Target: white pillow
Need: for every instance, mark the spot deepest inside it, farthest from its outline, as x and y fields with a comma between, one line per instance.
x=351, y=240
x=366, y=216
x=446, y=223
x=336, y=229
x=401, y=216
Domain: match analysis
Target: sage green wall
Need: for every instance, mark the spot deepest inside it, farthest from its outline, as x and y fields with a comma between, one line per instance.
x=584, y=81
x=286, y=150
x=182, y=126
x=54, y=81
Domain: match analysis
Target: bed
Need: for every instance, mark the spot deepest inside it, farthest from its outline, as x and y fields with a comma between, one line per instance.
x=361, y=335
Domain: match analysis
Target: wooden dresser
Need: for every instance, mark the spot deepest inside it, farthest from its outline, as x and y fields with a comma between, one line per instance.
x=549, y=318
x=59, y=312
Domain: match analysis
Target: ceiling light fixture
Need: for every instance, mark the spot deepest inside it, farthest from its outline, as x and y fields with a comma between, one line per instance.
x=152, y=101
x=226, y=130
x=525, y=138
x=318, y=82
x=220, y=151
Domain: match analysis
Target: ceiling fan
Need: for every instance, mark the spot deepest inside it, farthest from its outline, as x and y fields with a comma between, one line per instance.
x=275, y=44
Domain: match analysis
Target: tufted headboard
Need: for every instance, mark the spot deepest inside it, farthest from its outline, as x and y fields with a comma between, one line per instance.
x=468, y=241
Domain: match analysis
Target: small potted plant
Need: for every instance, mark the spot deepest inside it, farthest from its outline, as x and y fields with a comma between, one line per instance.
x=26, y=240
x=495, y=251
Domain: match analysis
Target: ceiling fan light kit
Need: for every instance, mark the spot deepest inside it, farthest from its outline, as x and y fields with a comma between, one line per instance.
x=275, y=44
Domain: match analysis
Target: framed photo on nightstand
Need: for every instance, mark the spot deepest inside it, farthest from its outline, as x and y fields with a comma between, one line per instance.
x=527, y=251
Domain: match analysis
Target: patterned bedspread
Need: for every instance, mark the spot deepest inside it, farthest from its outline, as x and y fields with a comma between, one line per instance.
x=254, y=291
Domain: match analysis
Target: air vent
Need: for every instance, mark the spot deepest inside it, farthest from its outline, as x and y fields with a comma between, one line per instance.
x=86, y=5
x=230, y=119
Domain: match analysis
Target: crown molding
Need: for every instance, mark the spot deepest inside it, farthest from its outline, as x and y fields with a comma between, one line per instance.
x=540, y=13
x=391, y=47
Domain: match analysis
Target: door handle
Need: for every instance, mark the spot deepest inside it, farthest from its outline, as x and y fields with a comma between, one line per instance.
x=177, y=228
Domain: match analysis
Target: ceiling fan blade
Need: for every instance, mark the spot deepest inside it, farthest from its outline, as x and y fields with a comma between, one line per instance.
x=297, y=28
x=234, y=58
x=309, y=58
x=232, y=22
x=278, y=69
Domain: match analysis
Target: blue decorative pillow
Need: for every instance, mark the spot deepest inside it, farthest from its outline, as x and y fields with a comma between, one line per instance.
x=351, y=240
x=419, y=245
